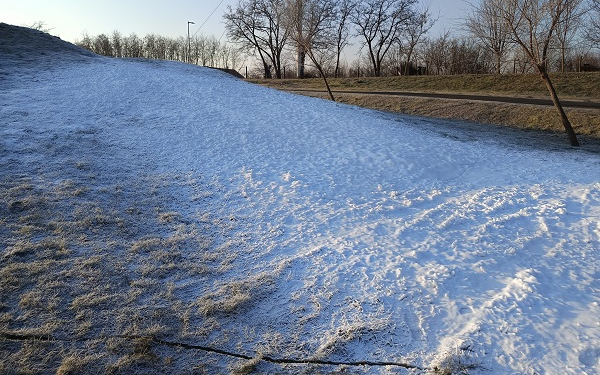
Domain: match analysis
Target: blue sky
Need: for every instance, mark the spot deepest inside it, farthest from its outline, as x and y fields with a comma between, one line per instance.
x=69, y=19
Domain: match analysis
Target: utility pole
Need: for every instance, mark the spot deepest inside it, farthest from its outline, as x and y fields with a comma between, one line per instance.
x=189, y=42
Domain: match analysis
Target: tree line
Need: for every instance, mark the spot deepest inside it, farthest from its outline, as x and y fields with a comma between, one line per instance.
x=393, y=37
x=199, y=49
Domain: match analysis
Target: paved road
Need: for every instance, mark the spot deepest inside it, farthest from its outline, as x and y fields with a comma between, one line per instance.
x=488, y=98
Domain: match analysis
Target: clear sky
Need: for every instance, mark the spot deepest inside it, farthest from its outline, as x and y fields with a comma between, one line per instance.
x=69, y=19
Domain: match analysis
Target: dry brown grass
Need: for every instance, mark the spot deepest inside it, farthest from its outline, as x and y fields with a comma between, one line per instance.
x=86, y=282
x=247, y=367
x=583, y=86
x=231, y=296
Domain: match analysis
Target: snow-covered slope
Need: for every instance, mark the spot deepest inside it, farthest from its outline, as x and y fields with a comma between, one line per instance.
x=350, y=235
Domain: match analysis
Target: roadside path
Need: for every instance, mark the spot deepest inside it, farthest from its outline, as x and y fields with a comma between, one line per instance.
x=488, y=98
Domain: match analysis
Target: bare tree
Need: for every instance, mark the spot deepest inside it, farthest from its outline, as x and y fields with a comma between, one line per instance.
x=161, y=47
x=312, y=28
x=593, y=32
x=233, y=58
x=436, y=54
x=468, y=56
x=134, y=46
x=415, y=30
x=102, y=45
x=173, y=48
x=487, y=25
x=199, y=53
x=117, y=44
x=344, y=10
x=380, y=23
x=394, y=61
x=86, y=42
x=532, y=24
x=295, y=13
x=257, y=26
x=566, y=30
x=149, y=46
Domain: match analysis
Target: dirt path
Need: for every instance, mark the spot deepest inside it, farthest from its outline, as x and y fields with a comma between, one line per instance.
x=488, y=98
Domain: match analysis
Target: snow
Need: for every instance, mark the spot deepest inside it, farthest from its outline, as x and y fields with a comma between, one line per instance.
x=379, y=237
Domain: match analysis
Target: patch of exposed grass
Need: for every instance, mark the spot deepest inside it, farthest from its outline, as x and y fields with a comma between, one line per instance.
x=92, y=299
x=98, y=274
x=94, y=276
x=77, y=363
x=457, y=360
x=168, y=217
x=247, y=367
x=584, y=86
x=51, y=247
x=233, y=295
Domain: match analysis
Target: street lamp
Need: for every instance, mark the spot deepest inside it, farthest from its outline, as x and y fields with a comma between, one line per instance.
x=189, y=43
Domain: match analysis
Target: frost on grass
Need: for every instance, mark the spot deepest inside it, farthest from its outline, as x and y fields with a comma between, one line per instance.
x=458, y=359
x=87, y=283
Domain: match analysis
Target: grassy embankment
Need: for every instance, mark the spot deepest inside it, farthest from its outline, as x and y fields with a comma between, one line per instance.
x=570, y=86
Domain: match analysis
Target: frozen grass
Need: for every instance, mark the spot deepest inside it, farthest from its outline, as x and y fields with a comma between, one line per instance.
x=458, y=359
x=86, y=284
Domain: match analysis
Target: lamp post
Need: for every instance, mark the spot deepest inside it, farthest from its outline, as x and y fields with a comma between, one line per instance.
x=189, y=43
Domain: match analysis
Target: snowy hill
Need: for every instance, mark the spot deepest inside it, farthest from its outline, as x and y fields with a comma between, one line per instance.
x=164, y=218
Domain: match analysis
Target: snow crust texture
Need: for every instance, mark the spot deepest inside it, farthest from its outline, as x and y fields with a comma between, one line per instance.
x=336, y=233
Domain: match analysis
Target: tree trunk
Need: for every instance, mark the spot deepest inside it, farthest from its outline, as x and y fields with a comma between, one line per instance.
x=408, y=57
x=301, y=57
x=563, y=116
x=373, y=61
x=267, y=69
x=498, y=63
x=277, y=66
x=320, y=69
x=377, y=69
x=328, y=88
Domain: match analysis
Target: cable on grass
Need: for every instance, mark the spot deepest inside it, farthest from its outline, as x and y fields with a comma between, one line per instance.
x=208, y=349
